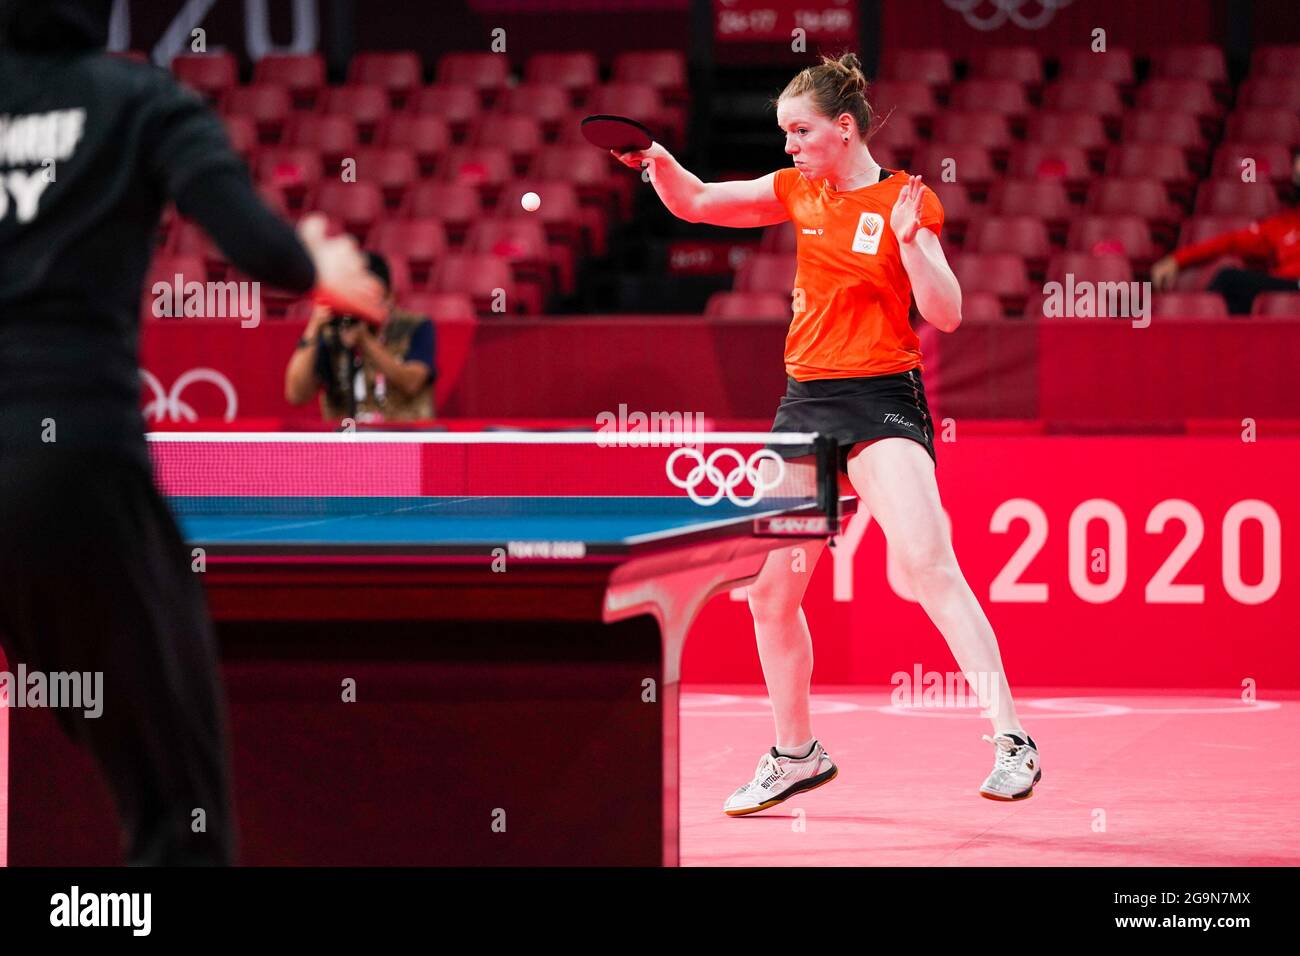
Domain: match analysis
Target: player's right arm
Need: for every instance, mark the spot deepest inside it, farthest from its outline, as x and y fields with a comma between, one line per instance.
x=742, y=204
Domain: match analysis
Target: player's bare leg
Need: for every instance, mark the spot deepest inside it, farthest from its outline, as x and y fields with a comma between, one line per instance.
x=894, y=478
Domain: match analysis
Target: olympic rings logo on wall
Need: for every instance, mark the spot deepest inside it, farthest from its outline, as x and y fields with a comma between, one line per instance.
x=707, y=470
x=169, y=407
x=1004, y=10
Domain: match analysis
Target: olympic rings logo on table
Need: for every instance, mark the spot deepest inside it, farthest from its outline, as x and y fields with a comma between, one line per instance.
x=707, y=471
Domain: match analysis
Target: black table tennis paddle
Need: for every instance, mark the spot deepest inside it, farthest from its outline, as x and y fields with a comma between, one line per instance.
x=619, y=133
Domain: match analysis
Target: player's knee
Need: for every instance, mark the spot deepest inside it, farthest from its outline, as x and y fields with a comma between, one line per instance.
x=931, y=570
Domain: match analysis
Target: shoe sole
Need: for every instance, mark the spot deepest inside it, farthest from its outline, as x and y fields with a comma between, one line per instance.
x=1023, y=795
x=807, y=786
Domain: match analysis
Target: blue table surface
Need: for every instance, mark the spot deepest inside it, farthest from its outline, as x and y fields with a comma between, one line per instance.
x=461, y=520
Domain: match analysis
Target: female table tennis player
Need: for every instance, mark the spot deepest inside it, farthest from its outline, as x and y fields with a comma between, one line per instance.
x=868, y=241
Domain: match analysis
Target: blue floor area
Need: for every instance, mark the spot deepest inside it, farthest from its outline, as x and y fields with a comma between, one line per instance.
x=413, y=521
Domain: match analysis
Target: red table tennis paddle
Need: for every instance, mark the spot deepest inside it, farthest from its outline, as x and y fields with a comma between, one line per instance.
x=618, y=133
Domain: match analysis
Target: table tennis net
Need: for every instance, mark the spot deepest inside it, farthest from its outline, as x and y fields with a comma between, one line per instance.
x=557, y=473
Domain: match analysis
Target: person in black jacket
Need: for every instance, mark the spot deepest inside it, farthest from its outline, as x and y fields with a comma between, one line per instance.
x=94, y=575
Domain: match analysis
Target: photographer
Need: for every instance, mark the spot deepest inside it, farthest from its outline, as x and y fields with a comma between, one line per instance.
x=363, y=371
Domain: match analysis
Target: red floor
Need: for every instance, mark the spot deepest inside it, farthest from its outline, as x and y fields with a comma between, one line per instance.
x=1186, y=778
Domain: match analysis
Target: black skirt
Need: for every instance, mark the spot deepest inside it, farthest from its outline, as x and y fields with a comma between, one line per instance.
x=853, y=410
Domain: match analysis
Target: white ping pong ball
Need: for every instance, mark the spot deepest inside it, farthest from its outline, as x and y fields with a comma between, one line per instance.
x=530, y=201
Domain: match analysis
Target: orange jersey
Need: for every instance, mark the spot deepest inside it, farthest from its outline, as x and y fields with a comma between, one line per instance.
x=852, y=294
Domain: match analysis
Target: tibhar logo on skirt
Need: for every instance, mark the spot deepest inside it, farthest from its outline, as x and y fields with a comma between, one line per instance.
x=866, y=238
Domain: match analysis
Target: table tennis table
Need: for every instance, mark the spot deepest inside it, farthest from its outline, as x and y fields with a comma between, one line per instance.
x=508, y=612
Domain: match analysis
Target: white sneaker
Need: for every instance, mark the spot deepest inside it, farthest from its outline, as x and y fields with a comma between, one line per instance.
x=778, y=778
x=1016, y=767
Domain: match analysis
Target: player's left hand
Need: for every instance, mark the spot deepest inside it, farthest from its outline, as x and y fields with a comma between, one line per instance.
x=905, y=217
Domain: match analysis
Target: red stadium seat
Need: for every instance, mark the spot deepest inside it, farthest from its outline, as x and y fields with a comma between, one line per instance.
x=1084, y=130
x=1136, y=197
x=626, y=99
x=243, y=134
x=1090, y=268
x=1194, y=62
x=484, y=277
x=1178, y=96
x=1275, y=61
x=997, y=96
x=1020, y=64
x=780, y=238
x=638, y=99
x=561, y=214
x=1100, y=97
x=366, y=106
x=1272, y=161
x=485, y=167
x=1025, y=236
x=1229, y=197
x=1264, y=126
x=998, y=273
x=1270, y=93
x=663, y=69
x=969, y=164
x=546, y=102
x=1042, y=198
x=392, y=169
x=517, y=134
x=295, y=171
x=425, y=136
x=303, y=75
x=986, y=129
x=577, y=72
x=1189, y=305
x=441, y=306
x=1124, y=235
x=333, y=136
x=926, y=66
x=1199, y=228
x=1115, y=65
x=266, y=105
x=958, y=210
x=1046, y=161
x=522, y=244
x=897, y=133
x=588, y=170
x=1162, y=127
x=748, y=305
x=1280, y=304
x=457, y=104
x=399, y=273
x=189, y=239
x=485, y=72
x=358, y=206
x=456, y=204
x=766, y=272
x=209, y=74
x=911, y=97
x=1151, y=161
x=399, y=72
x=981, y=307
x=421, y=241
